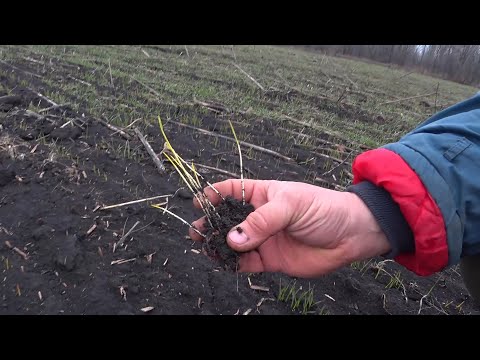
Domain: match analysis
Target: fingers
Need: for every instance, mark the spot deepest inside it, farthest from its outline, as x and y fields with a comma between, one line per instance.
x=255, y=194
x=199, y=225
x=255, y=191
x=251, y=262
x=264, y=222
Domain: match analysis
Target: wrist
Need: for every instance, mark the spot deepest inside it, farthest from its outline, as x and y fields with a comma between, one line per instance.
x=365, y=237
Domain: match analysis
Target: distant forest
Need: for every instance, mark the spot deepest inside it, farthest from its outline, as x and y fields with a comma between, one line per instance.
x=459, y=63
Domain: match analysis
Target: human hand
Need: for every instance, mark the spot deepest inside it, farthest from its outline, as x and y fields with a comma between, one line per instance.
x=299, y=229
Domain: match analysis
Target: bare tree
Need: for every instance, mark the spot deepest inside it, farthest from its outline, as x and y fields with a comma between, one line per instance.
x=459, y=63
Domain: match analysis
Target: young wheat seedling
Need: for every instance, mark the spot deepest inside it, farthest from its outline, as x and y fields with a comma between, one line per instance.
x=302, y=301
x=241, y=161
x=216, y=232
x=192, y=181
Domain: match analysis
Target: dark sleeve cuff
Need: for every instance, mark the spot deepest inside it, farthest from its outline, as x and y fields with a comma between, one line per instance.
x=388, y=215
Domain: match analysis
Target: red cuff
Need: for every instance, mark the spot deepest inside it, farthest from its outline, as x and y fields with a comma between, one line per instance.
x=386, y=169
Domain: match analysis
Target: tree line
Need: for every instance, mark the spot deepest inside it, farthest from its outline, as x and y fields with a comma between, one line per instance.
x=460, y=63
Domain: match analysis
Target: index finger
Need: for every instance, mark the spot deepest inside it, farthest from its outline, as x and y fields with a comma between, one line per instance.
x=255, y=191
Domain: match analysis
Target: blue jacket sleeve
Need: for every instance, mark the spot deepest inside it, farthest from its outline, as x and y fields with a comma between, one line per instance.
x=444, y=151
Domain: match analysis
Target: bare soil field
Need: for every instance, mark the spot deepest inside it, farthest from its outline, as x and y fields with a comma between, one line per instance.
x=69, y=148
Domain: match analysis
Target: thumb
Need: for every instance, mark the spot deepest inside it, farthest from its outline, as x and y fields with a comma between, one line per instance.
x=259, y=225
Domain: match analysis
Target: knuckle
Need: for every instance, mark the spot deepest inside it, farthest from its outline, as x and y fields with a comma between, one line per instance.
x=258, y=221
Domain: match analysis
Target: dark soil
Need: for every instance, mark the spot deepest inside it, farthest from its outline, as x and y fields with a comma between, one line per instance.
x=233, y=212
x=9, y=102
x=55, y=177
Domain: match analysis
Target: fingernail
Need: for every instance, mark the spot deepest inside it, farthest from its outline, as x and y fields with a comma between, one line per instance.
x=238, y=236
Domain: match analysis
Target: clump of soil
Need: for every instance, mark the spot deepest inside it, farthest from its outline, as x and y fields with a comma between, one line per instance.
x=232, y=212
x=6, y=176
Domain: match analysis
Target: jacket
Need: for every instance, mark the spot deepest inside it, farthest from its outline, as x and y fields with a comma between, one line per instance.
x=433, y=174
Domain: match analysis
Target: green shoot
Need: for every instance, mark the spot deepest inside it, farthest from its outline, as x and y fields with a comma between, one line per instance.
x=190, y=177
x=299, y=300
x=395, y=281
x=241, y=161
